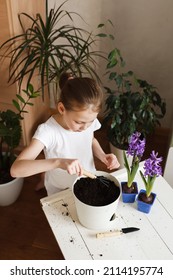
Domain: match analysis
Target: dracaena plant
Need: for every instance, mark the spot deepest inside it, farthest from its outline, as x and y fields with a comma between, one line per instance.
x=136, y=150
x=11, y=131
x=49, y=47
x=152, y=169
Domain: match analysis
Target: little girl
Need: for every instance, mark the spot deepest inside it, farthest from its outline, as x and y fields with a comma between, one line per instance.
x=67, y=138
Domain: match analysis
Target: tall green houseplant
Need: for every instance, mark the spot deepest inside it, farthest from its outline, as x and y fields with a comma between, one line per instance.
x=48, y=48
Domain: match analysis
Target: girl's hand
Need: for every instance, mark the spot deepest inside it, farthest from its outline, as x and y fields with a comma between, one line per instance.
x=111, y=161
x=71, y=165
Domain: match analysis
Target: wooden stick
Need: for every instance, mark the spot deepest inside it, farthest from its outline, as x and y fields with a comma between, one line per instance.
x=109, y=234
x=88, y=174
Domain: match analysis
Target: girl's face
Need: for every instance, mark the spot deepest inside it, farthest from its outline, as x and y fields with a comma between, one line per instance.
x=77, y=120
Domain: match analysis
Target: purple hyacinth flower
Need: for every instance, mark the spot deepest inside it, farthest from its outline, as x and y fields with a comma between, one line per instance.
x=136, y=149
x=152, y=165
x=136, y=145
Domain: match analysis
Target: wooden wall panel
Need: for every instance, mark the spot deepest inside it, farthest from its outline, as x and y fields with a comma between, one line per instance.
x=7, y=92
x=9, y=10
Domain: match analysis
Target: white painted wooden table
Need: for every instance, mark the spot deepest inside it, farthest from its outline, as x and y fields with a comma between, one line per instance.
x=153, y=241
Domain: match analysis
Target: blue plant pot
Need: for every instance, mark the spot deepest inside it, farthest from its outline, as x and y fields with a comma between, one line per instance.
x=144, y=206
x=129, y=197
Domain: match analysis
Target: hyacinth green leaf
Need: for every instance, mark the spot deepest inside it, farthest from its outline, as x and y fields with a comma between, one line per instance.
x=126, y=164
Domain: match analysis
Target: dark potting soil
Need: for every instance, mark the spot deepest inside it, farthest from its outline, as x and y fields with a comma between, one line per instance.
x=94, y=192
x=5, y=177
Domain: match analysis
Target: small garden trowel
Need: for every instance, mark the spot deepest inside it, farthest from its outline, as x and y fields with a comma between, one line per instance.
x=116, y=232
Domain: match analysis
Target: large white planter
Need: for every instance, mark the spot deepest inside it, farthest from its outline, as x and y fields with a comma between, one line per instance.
x=97, y=217
x=9, y=192
x=119, y=155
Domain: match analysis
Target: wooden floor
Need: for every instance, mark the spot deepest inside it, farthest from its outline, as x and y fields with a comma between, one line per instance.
x=24, y=231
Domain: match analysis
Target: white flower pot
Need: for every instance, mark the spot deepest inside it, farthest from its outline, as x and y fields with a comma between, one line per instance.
x=9, y=192
x=97, y=217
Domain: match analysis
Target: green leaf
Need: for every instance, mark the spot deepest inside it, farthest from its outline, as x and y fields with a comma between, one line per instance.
x=20, y=98
x=29, y=103
x=101, y=35
x=100, y=25
x=112, y=75
x=30, y=88
x=112, y=64
x=110, y=22
x=16, y=104
x=126, y=164
x=34, y=95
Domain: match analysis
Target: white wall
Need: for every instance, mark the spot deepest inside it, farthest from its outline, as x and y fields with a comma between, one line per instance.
x=144, y=34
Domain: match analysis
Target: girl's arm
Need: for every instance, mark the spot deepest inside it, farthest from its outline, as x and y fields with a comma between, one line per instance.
x=110, y=160
x=26, y=163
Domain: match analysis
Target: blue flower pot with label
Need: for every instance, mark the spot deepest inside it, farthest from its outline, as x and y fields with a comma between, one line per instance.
x=129, y=194
x=143, y=206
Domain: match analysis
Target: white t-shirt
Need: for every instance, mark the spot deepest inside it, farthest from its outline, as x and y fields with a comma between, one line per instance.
x=62, y=143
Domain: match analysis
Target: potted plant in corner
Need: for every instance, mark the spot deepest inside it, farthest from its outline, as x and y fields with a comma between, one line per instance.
x=136, y=149
x=10, y=136
x=152, y=169
x=131, y=104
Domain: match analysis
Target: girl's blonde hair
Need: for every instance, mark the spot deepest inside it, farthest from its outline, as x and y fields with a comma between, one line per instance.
x=78, y=93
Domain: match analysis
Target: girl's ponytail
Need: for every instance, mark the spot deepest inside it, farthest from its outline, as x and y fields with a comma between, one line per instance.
x=64, y=78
